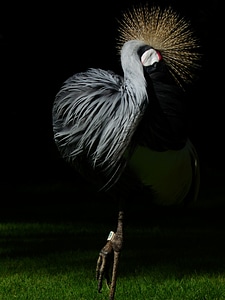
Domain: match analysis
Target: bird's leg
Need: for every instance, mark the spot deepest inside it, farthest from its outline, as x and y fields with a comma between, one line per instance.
x=104, y=263
x=117, y=243
x=109, y=256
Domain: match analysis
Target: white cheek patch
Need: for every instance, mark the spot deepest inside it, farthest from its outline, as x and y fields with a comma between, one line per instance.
x=150, y=57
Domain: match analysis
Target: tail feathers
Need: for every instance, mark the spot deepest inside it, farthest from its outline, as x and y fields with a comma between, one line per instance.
x=194, y=189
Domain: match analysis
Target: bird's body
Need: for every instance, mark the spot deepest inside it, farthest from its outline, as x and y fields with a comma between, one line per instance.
x=169, y=173
x=108, y=125
x=102, y=125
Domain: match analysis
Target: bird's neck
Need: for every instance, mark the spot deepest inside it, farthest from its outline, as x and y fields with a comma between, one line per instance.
x=134, y=79
x=135, y=87
x=165, y=120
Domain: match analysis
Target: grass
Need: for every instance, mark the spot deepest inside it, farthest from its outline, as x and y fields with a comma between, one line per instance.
x=57, y=261
x=49, y=251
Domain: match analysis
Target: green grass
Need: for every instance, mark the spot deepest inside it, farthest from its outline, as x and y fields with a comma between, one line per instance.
x=49, y=251
x=57, y=261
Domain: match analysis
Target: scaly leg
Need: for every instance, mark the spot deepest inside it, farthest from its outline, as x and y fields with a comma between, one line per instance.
x=109, y=256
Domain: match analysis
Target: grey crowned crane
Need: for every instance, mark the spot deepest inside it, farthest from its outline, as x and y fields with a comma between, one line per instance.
x=130, y=132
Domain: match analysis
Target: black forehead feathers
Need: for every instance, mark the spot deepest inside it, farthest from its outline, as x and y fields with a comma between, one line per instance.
x=142, y=50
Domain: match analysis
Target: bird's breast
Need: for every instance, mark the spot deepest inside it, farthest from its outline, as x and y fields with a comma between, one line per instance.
x=168, y=173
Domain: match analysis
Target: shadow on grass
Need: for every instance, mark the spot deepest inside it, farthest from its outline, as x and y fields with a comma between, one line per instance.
x=184, y=240
x=186, y=245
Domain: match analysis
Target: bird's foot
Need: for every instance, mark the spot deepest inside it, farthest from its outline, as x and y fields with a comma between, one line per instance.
x=104, y=265
x=109, y=258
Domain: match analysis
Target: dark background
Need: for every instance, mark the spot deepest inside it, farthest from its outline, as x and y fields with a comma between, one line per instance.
x=42, y=45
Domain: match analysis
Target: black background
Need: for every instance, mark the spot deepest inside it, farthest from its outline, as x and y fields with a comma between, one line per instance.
x=43, y=44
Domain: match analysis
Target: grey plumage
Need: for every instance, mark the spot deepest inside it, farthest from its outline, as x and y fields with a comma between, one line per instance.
x=96, y=113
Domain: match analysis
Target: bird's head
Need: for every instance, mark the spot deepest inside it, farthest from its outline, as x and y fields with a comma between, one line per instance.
x=149, y=56
x=152, y=61
x=136, y=52
x=139, y=61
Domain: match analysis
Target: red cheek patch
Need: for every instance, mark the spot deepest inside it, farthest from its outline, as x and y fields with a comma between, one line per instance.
x=159, y=55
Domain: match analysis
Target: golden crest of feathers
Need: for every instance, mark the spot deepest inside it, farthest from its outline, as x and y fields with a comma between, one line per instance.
x=167, y=32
